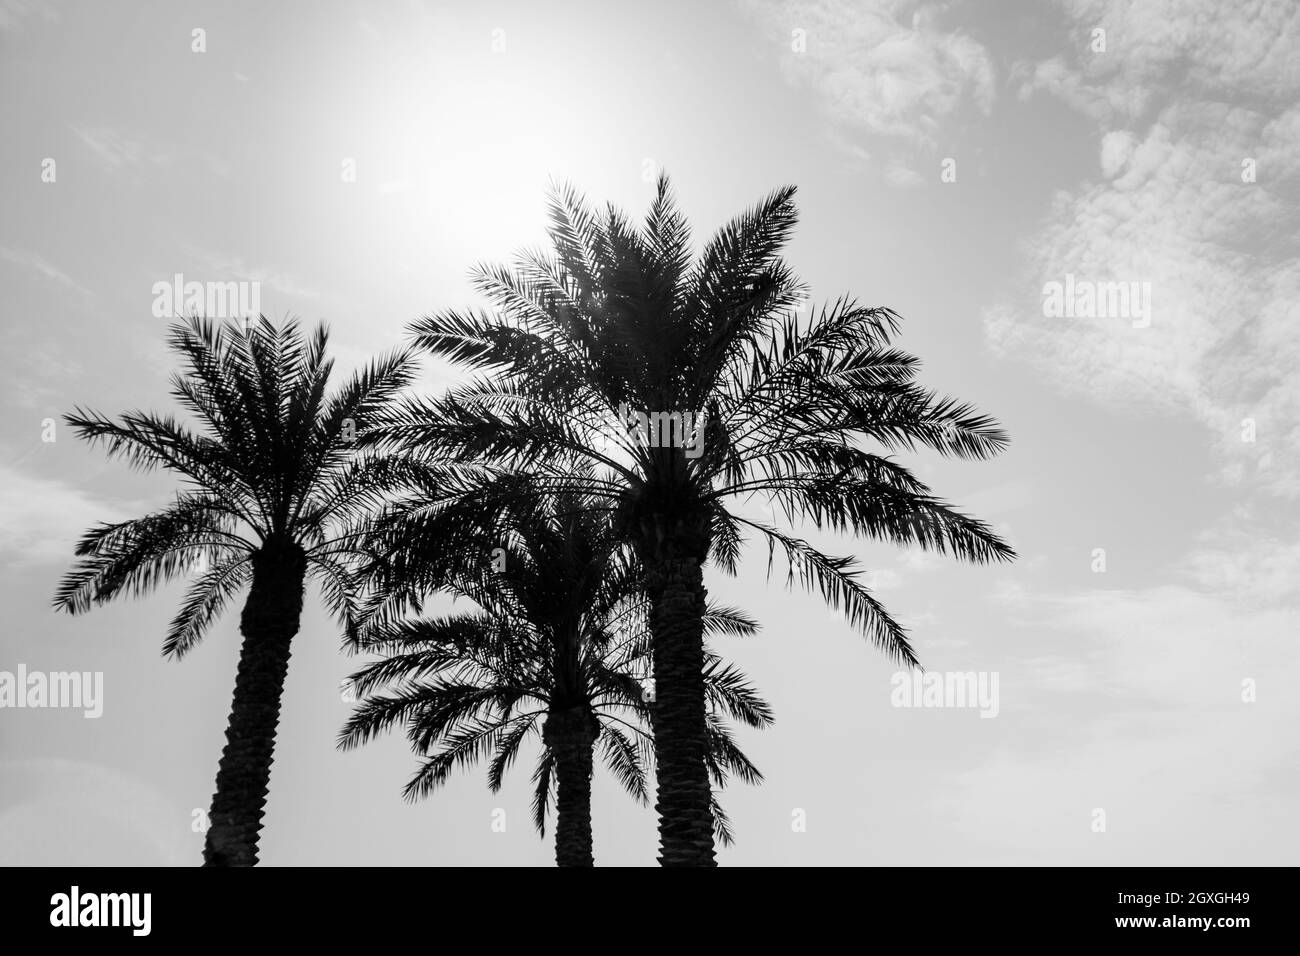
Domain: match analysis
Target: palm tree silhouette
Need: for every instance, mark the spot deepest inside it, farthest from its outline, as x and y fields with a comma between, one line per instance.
x=804, y=413
x=557, y=649
x=271, y=482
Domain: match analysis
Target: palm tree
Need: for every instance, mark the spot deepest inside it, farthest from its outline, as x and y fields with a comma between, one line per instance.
x=686, y=386
x=557, y=650
x=268, y=477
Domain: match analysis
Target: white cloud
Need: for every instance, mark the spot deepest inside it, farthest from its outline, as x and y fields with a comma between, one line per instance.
x=1116, y=148
x=896, y=174
x=75, y=813
x=1131, y=702
x=875, y=71
x=1194, y=95
x=34, y=263
x=13, y=12
x=47, y=375
x=1248, y=568
x=41, y=519
x=916, y=560
x=234, y=267
x=115, y=150
x=882, y=579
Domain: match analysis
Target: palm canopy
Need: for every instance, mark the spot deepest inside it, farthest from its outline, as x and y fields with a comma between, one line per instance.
x=269, y=462
x=559, y=626
x=806, y=413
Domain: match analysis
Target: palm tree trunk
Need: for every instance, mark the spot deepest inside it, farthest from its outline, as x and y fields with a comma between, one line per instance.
x=268, y=624
x=676, y=589
x=570, y=735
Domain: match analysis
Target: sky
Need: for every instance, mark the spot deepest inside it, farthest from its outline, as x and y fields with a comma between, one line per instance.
x=953, y=161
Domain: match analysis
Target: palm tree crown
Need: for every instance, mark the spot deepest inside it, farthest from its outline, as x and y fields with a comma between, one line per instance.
x=675, y=387
x=273, y=464
x=556, y=650
x=271, y=481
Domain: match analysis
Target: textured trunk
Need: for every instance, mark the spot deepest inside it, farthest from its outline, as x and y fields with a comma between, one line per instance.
x=268, y=624
x=676, y=590
x=570, y=735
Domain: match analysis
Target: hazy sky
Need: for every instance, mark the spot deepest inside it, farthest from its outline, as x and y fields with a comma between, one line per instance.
x=1169, y=159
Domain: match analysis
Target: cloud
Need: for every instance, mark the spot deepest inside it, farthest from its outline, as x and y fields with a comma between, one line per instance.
x=1156, y=648
x=896, y=174
x=1246, y=568
x=13, y=12
x=34, y=263
x=991, y=501
x=1131, y=701
x=75, y=813
x=882, y=579
x=875, y=71
x=1116, y=149
x=234, y=267
x=41, y=518
x=1200, y=153
x=1056, y=77
x=45, y=377
x=1189, y=47
x=115, y=150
